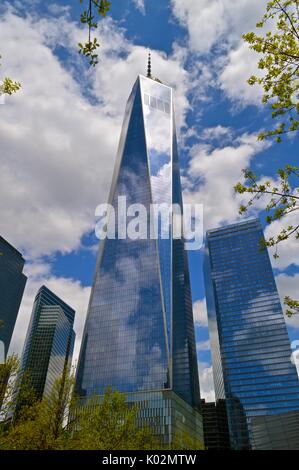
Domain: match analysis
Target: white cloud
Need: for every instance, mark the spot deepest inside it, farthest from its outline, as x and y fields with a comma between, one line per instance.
x=217, y=133
x=213, y=172
x=203, y=345
x=289, y=286
x=200, y=313
x=57, y=147
x=70, y=290
x=140, y=5
x=209, y=22
x=215, y=29
x=288, y=249
x=206, y=382
x=56, y=9
x=52, y=143
x=240, y=64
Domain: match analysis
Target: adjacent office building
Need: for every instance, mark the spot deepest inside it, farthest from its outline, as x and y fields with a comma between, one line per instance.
x=215, y=425
x=250, y=345
x=12, y=285
x=49, y=343
x=139, y=332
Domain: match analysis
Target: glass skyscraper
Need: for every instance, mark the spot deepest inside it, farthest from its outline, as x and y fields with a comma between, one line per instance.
x=250, y=345
x=139, y=332
x=49, y=343
x=12, y=285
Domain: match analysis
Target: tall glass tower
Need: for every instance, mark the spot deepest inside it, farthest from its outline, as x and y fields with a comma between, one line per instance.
x=139, y=332
x=250, y=345
x=50, y=340
x=12, y=285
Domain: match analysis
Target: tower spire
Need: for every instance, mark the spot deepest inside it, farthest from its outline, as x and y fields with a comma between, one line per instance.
x=149, y=66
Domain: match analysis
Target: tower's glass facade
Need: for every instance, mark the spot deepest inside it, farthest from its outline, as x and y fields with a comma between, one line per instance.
x=49, y=343
x=12, y=285
x=139, y=332
x=250, y=345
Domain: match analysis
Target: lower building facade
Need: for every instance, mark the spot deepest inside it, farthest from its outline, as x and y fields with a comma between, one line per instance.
x=175, y=423
x=171, y=418
x=215, y=425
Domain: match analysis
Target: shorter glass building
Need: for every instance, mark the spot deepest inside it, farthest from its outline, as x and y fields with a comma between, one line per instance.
x=251, y=350
x=12, y=285
x=49, y=343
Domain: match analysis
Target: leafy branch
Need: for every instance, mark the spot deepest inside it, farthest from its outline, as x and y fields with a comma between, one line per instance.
x=280, y=64
x=293, y=306
x=88, y=17
x=284, y=200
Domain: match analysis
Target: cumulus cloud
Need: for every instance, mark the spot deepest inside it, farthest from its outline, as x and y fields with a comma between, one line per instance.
x=213, y=172
x=288, y=286
x=209, y=22
x=203, y=345
x=59, y=134
x=232, y=62
x=206, y=381
x=240, y=64
x=200, y=313
x=216, y=133
x=52, y=143
x=287, y=250
x=140, y=5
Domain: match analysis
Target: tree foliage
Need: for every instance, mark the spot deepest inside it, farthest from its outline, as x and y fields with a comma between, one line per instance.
x=8, y=372
x=16, y=390
x=93, y=11
x=283, y=201
x=110, y=424
x=292, y=306
x=279, y=62
x=38, y=424
x=60, y=421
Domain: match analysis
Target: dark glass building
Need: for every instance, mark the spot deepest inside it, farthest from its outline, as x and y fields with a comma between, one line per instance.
x=215, y=425
x=250, y=345
x=139, y=332
x=12, y=285
x=49, y=343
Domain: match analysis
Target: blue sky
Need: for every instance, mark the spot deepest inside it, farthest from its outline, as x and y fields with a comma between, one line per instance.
x=58, y=136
